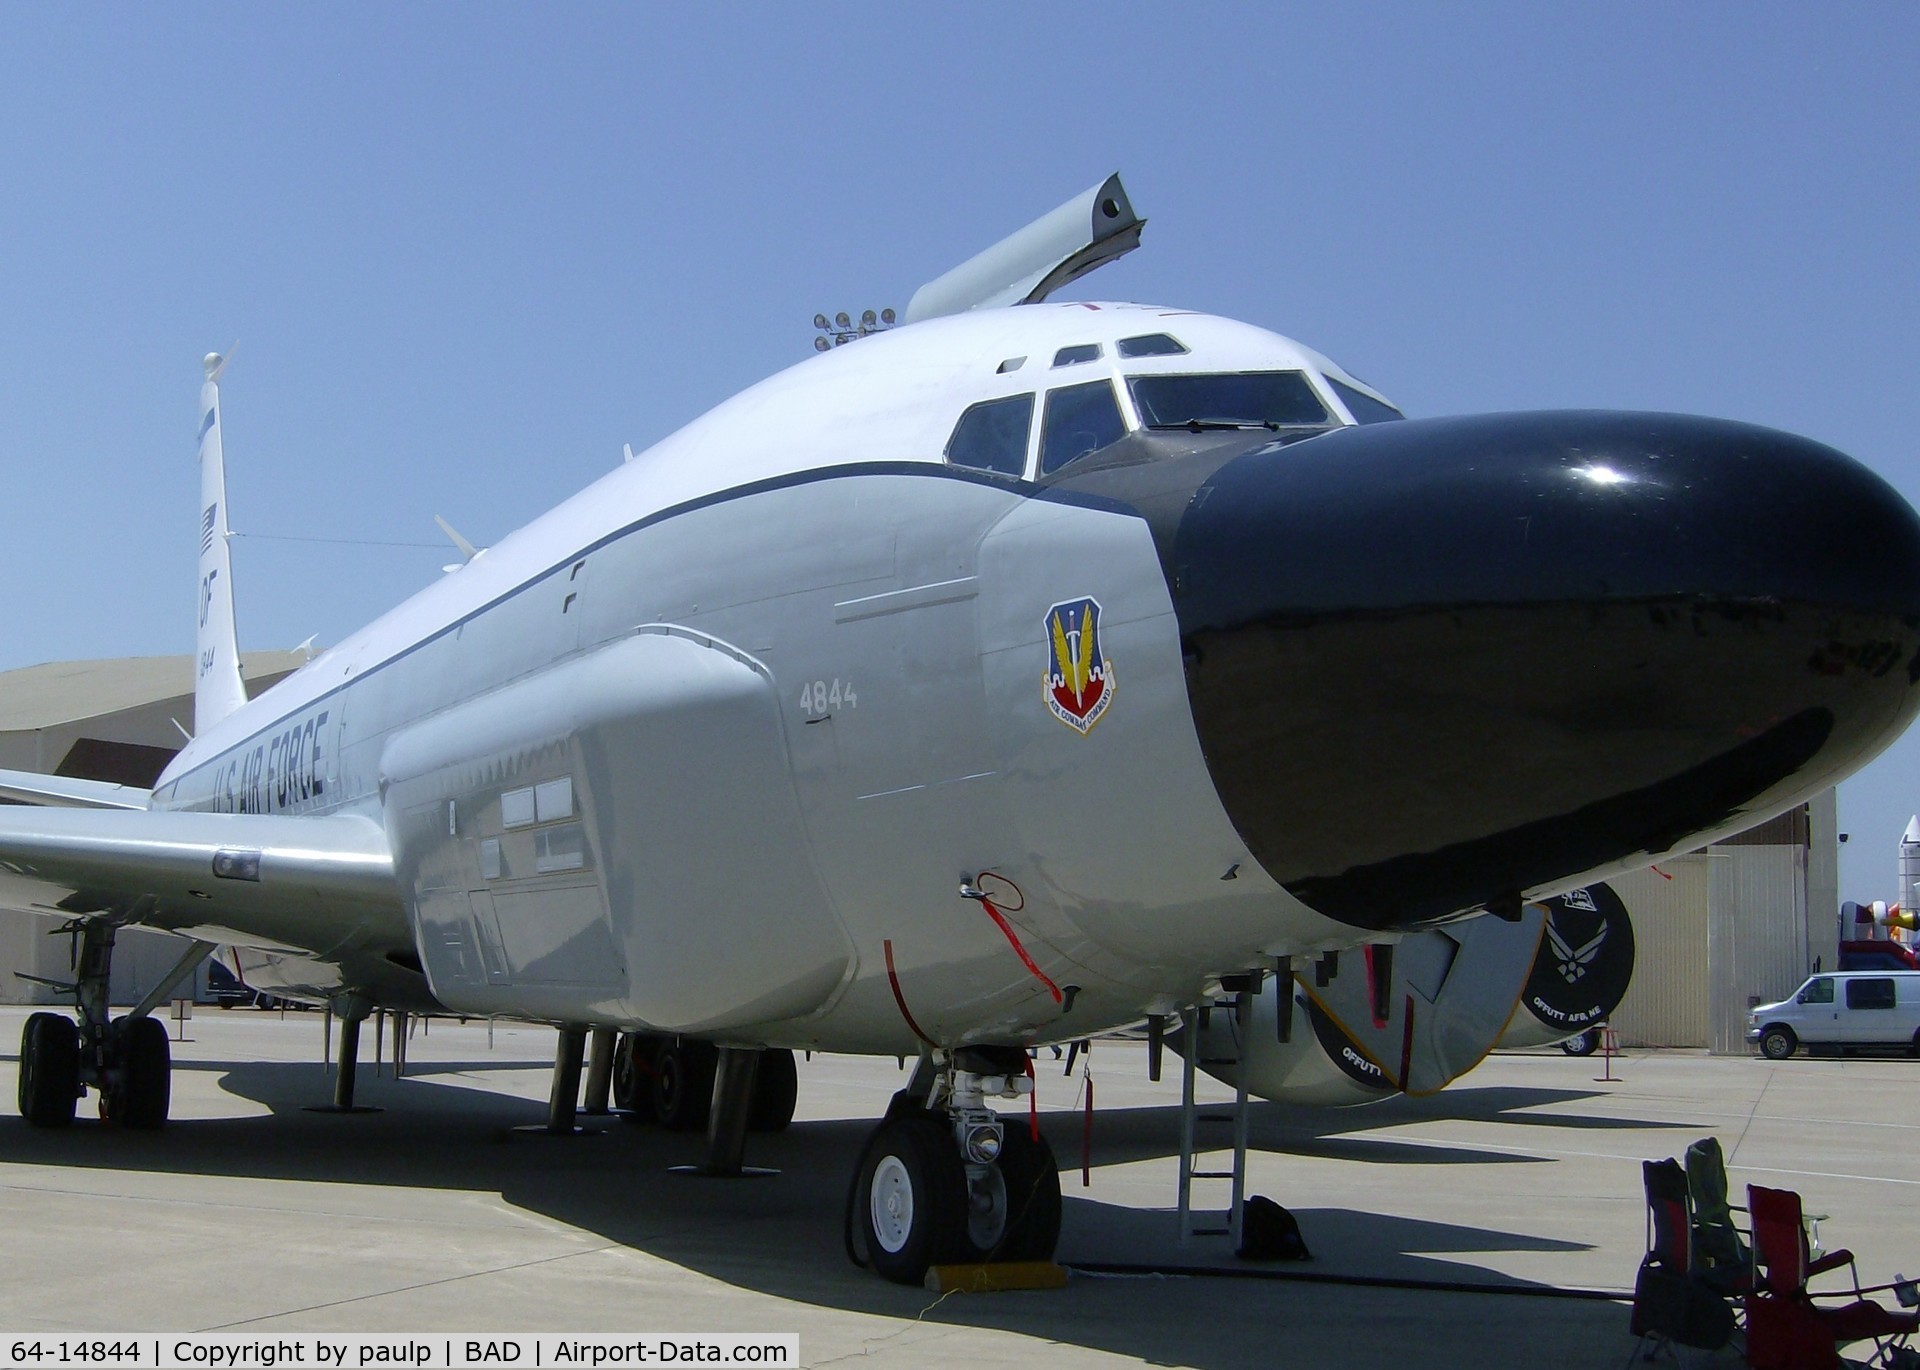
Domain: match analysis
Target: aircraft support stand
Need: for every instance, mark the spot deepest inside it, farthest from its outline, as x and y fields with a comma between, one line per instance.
x=352, y=1013
x=599, y=1072
x=563, y=1103
x=733, y=1087
x=349, y=1066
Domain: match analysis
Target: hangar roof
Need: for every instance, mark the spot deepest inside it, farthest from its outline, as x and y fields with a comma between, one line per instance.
x=35, y=697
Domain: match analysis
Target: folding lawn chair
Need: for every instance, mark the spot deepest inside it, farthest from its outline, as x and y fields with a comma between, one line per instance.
x=1720, y=1252
x=1672, y=1305
x=1786, y=1328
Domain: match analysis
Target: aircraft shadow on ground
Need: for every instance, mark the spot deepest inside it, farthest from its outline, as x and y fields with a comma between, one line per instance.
x=784, y=1237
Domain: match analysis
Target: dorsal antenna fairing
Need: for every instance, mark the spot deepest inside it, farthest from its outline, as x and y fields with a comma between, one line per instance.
x=1089, y=230
x=217, y=686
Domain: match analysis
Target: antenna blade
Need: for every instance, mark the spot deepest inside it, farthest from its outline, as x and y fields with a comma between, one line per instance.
x=467, y=549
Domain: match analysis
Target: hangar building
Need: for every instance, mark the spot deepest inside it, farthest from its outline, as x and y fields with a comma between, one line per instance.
x=101, y=720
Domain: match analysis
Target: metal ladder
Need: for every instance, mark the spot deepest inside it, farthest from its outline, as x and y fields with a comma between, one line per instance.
x=1212, y=1222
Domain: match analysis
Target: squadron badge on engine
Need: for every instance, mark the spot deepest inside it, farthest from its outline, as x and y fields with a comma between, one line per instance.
x=1078, y=684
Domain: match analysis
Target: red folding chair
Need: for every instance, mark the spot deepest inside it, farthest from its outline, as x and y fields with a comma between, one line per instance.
x=1786, y=1328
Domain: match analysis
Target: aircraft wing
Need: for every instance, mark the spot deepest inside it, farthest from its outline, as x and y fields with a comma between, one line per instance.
x=66, y=792
x=275, y=881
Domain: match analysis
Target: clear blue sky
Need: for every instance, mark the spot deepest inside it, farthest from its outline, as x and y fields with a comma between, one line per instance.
x=468, y=251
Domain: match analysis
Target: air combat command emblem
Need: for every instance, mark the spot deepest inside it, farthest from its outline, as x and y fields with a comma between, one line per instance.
x=1079, y=682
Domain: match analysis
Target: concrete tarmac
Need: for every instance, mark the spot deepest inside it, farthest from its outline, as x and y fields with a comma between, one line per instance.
x=1519, y=1189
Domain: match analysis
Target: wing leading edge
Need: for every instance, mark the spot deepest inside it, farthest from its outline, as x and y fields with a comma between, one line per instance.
x=312, y=885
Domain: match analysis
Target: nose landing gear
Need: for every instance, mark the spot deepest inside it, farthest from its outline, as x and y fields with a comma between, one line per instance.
x=943, y=1181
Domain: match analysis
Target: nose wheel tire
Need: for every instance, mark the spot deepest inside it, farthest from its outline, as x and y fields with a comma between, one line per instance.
x=49, y=1069
x=914, y=1204
x=910, y=1199
x=1778, y=1044
x=1032, y=1181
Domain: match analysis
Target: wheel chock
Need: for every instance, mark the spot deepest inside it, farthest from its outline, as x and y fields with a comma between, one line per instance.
x=993, y=1278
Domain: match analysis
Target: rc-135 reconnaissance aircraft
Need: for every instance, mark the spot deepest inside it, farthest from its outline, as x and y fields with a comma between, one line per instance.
x=998, y=679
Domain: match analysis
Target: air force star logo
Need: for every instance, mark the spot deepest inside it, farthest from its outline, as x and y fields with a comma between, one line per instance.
x=1078, y=685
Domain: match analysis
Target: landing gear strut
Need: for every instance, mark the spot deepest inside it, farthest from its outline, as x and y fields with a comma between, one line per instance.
x=126, y=1059
x=944, y=1181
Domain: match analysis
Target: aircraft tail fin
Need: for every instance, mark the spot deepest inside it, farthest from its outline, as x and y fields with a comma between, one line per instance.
x=217, y=687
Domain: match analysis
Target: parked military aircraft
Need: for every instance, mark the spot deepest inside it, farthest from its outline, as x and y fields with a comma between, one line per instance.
x=992, y=680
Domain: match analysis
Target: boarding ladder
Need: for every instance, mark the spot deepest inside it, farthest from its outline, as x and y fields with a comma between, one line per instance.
x=1197, y=1150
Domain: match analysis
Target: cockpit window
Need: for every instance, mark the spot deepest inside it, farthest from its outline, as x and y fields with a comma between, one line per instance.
x=992, y=436
x=1364, y=407
x=1151, y=345
x=1243, y=399
x=1073, y=356
x=1080, y=419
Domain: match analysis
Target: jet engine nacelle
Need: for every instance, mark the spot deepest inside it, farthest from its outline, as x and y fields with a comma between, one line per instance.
x=1409, y=1016
x=1415, y=1015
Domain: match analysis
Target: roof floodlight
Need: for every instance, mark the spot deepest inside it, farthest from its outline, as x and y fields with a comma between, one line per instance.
x=820, y=322
x=822, y=345
x=886, y=316
x=869, y=319
x=841, y=320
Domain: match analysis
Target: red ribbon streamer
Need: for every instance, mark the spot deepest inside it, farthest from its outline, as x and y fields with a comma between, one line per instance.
x=1021, y=951
x=894, y=981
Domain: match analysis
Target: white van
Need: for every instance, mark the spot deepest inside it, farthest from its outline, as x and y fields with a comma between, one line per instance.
x=1861, y=1008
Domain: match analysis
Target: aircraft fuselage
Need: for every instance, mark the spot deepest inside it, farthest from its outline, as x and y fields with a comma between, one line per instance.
x=713, y=746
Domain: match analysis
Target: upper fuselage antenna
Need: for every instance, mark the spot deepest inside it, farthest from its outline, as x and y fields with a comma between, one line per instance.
x=1089, y=230
x=467, y=549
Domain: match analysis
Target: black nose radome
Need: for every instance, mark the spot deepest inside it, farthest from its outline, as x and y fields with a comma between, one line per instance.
x=1441, y=663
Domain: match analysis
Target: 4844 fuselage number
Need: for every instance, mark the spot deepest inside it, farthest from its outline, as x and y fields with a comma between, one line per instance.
x=824, y=696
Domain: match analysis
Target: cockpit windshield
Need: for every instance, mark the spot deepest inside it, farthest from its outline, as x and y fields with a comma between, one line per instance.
x=1243, y=399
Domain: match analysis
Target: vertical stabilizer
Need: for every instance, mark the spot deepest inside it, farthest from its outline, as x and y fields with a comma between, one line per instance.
x=217, y=690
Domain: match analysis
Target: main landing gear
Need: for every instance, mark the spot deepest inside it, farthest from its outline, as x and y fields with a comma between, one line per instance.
x=127, y=1060
x=944, y=1181
x=670, y=1081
